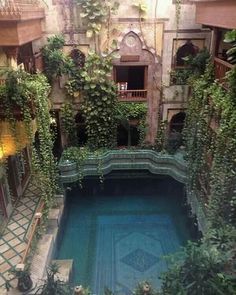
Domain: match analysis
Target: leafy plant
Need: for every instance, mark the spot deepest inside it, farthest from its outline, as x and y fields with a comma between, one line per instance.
x=56, y=62
x=24, y=281
x=96, y=12
x=230, y=37
x=52, y=284
x=200, y=272
x=68, y=123
x=125, y=112
x=100, y=99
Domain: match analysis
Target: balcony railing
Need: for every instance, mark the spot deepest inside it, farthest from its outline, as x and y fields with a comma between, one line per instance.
x=20, y=9
x=221, y=69
x=133, y=95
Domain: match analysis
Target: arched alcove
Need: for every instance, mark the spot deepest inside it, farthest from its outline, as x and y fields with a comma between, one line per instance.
x=177, y=122
x=188, y=49
x=81, y=128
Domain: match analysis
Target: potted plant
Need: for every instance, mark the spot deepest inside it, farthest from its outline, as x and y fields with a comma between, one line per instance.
x=21, y=272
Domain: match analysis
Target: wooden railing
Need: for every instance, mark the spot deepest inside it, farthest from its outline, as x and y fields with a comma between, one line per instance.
x=221, y=69
x=132, y=95
x=32, y=230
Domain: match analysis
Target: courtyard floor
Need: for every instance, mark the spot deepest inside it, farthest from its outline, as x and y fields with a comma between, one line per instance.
x=14, y=240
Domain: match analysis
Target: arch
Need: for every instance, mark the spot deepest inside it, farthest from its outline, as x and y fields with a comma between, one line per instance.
x=188, y=49
x=177, y=122
x=78, y=57
x=81, y=128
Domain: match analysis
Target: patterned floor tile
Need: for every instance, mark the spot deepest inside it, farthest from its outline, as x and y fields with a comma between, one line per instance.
x=23, y=221
x=2, y=281
x=17, y=216
x=7, y=237
x=21, y=208
x=15, y=260
x=9, y=254
x=19, y=231
x=4, y=267
x=13, y=226
x=27, y=212
x=4, y=248
x=20, y=247
x=14, y=242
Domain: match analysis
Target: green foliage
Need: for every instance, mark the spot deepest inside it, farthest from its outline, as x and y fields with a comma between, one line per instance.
x=100, y=99
x=56, y=62
x=133, y=111
x=96, y=12
x=230, y=37
x=160, y=137
x=199, y=273
x=68, y=123
x=29, y=93
x=211, y=155
x=195, y=66
x=53, y=285
x=78, y=155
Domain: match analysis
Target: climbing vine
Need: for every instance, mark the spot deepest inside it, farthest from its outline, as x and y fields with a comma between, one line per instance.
x=68, y=123
x=126, y=112
x=96, y=13
x=25, y=97
x=99, y=101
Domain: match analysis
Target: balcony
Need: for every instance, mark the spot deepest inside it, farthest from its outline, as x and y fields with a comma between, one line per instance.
x=132, y=95
x=20, y=21
x=216, y=13
x=20, y=10
x=221, y=69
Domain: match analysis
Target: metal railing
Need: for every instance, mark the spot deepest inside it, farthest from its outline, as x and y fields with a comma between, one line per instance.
x=132, y=95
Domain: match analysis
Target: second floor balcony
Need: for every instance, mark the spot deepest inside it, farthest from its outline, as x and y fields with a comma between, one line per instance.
x=15, y=10
x=132, y=95
x=20, y=21
x=221, y=69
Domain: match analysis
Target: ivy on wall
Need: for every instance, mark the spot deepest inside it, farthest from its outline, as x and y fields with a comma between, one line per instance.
x=99, y=101
x=25, y=97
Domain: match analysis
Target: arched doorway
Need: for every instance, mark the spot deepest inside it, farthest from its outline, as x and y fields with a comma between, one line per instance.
x=81, y=128
x=177, y=122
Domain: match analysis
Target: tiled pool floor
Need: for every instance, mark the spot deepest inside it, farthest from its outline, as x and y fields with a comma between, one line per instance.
x=12, y=243
x=118, y=237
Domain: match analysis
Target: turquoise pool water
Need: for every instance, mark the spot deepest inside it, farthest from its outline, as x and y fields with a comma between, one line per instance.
x=118, y=235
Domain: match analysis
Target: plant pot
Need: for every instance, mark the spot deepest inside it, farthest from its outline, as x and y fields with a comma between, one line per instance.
x=25, y=283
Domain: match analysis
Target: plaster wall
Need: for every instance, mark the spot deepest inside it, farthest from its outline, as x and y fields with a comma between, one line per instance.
x=158, y=30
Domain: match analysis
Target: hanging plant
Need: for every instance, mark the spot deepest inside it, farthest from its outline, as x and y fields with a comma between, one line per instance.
x=56, y=62
x=230, y=37
x=99, y=101
x=96, y=13
x=68, y=123
x=24, y=91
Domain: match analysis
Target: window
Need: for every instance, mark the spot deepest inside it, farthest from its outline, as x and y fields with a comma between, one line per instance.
x=131, y=77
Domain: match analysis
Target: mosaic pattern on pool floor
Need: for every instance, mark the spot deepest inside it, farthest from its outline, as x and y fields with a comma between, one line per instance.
x=12, y=243
x=130, y=249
